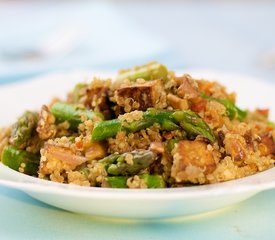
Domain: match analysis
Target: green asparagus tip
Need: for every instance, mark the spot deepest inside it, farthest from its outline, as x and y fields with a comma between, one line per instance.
x=150, y=71
x=117, y=165
x=23, y=129
x=20, y=160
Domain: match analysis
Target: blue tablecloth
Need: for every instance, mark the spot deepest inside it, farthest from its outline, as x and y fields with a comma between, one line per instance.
x=25, y=218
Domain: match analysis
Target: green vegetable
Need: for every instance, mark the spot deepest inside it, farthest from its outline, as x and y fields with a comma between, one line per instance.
x=150, y=71
x=163, y=117
x=117, y=181
x=72, y=113
x=117, y=165
x=153, y=181
x=193, y=124
x=106, y=129
x=109, y=128
x=232, y=110
x=168, y=120
x=16, y=158
x=137, y=125
x=23, y=129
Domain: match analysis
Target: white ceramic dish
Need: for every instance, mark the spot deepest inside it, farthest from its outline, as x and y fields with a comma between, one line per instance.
x=129, y=203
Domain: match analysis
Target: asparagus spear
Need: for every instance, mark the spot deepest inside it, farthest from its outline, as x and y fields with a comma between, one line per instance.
x=117, y=165
x=19, y=159
x=23, y=129
x=163, y=117
x=110, y=128
x=117, y=181
x=153, y=181
x=149, y=71
x=137, y=125
x=72, y=113
x=193, y=124
x=168, y=120
x=232, y=110
x=106, y=129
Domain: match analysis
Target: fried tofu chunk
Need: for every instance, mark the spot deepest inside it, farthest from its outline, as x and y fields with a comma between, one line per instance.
x=192, y=161
x=267, y=145
x=141, y=96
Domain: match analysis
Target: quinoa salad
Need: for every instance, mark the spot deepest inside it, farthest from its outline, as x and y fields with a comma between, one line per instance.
x=147, y=128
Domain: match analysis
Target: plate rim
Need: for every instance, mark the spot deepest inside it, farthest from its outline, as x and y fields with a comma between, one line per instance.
x=242, y=185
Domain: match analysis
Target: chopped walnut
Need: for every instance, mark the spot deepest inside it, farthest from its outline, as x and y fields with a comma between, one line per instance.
x=176, y=102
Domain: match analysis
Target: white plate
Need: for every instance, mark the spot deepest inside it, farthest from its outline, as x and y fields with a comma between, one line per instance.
x=131, y=203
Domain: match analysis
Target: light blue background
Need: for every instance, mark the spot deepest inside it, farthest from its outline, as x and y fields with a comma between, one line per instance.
x=25, y=218
x=222, y=35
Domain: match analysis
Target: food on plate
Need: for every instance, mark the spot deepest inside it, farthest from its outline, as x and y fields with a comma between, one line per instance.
x=147, y=128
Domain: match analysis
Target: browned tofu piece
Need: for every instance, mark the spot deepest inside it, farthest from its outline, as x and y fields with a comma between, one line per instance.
x=188, y=88
x=267, y=145
x=235, y=146
x=192, y=161
x=141, y=96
